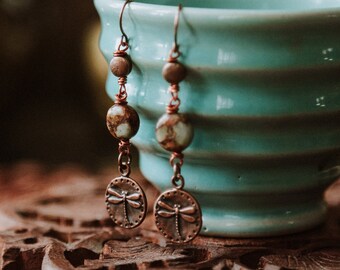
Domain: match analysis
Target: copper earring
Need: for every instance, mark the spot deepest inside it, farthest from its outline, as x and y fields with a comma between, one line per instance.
x=125, y=199
x=177, y=213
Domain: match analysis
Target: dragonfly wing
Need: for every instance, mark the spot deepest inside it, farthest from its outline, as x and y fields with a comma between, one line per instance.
x=134, y=196
x=134, y=204
x=113, y=192
x=188, y=210
x=165, y=213
x=164, y=205
x=114, y=200
x=188, y=218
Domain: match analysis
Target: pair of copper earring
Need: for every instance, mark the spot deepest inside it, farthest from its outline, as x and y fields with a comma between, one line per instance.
x=177, y=213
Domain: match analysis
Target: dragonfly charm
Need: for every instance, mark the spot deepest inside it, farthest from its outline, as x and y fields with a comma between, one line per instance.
x=178, y=212
x=124, y=198
x=178, y=216
x=125, y=202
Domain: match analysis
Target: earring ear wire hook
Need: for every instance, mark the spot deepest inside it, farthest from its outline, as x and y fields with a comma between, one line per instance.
x=175, y=53
x=124, y=42
x=176, y=23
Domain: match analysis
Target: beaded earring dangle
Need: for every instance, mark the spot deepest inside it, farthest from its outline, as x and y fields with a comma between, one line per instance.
x=125, y=199
x=177, y=213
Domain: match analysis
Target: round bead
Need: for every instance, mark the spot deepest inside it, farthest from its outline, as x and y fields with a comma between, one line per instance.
x=174, y=72
x=122, y=121
x=174, y=132
x=121, y=65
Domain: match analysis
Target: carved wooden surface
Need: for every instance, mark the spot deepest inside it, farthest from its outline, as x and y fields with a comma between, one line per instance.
x=56, y=219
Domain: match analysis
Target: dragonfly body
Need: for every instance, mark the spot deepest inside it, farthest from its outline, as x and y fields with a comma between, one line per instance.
x=177, y=211
x=124, y=197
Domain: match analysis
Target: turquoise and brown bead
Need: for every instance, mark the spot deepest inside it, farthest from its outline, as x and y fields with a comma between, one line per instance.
x=122, y=121
x=174, y=132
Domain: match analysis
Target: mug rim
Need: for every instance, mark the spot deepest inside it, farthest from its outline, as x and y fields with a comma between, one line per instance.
x=237, y=17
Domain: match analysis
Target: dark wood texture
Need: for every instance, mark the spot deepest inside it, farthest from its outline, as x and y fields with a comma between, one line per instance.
x=56, y=219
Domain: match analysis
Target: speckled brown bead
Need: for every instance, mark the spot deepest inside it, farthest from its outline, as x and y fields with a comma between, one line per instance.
x=174, y=132
x=174, y=72
x=122, y=121
x=121, y=65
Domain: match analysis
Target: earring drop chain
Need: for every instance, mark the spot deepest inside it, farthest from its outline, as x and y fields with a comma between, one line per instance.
x=125, y=199
x=124, y=158
x=177, y=213
x=175, y=102
x=176, y=161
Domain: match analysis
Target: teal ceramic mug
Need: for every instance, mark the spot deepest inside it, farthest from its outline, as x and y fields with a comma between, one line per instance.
x=263, y=94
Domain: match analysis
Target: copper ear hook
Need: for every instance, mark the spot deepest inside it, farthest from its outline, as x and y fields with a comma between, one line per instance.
x=124, y=42
x=175, y=52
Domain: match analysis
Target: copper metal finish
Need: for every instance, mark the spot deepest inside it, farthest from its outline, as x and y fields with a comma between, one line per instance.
x=178, y=216
x=126, y=65
x=124, y=158
x=124, y=42
x=177, y=179
x=121, y=97
x=175, y=102
x=176, y=158
x=175, y=53
x=125, y=202
x=177, y=213
x=169, y=68
x=125, y=199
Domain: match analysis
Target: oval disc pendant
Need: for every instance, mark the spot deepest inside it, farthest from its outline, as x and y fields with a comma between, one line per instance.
x=125, y=202
x=178, y=215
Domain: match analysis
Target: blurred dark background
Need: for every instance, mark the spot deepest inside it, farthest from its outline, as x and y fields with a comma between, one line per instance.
x=52, y=84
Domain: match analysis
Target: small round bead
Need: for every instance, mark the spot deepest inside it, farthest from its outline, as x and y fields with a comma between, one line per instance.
x=174, y=132
x=121, y=65
x=122, y=121
x=174, y=72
